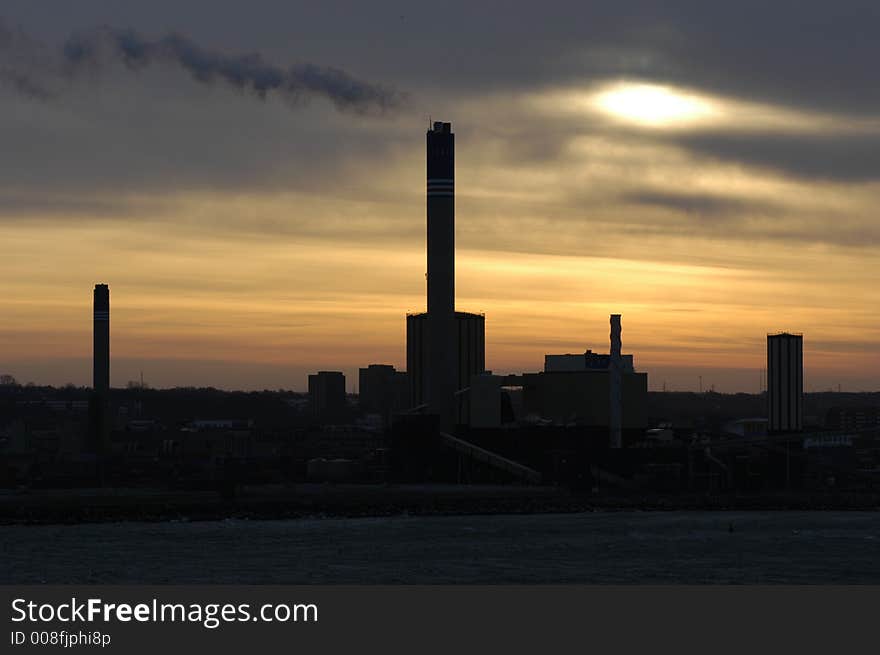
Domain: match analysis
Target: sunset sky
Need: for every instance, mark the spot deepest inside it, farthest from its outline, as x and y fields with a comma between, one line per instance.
x=711, y=171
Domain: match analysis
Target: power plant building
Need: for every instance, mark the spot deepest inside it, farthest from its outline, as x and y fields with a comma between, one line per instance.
x=584, y=398
x=443, y=347
x=583, y=362
x=469, y=359
x=585, y=390
x=785, y=382
x=590, y=389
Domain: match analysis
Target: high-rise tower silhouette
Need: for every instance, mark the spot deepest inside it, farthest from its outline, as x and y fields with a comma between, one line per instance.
x=785, y=382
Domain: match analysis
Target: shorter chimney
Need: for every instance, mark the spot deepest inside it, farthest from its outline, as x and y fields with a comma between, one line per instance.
x=101, y=341
x=614, y=414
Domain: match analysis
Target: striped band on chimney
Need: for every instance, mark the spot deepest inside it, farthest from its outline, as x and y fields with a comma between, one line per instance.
x=441, y=187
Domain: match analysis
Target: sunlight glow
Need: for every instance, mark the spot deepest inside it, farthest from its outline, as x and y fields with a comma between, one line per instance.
x=653, y=105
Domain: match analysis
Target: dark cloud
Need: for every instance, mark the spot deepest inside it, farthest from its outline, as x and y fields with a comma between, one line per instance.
x=701, y=205
x=806, y=53
x=649, y=213
x=22, y=205
x=77, y=119
x=782, y=227
x=132, y=142
x=803, y=55
x=847, y=158
x=7, y=35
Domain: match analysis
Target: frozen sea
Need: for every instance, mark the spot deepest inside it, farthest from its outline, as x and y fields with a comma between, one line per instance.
x=597, y=547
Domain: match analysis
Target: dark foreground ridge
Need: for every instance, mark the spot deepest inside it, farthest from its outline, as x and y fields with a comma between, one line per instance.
x=268, y=502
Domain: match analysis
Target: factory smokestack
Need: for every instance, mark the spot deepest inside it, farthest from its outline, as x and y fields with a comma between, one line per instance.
x=99, y=402
x=101, y=343
x=442, y=344
x=615, y=418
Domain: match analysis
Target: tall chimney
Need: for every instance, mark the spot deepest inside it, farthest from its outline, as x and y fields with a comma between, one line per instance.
x=101, y=345
x=99, y=432
x=615, y=412
x=442, y=378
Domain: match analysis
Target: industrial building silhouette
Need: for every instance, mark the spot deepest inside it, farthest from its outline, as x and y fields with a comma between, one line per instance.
x=447, y=417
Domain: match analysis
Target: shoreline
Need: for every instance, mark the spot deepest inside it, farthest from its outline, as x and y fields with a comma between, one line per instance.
x=277, y=502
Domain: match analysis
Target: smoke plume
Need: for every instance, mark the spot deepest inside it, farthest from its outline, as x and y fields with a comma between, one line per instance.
x=18, y=63
x=248, y=73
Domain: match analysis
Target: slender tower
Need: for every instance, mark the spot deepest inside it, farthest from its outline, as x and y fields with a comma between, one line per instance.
x=442, y=377
x=615, y=413
x=101, y=345
x=785, y=382
x=99, y=402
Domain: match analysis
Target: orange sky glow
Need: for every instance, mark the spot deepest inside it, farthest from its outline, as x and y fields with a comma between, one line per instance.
x=253, y=288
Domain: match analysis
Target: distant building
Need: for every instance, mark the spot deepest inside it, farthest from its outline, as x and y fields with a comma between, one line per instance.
x=340, y=441
x=584, y=362
x=485, y=401
x=383, y=391
x=470, y=342
x=785, y=382
x=221, y=424
x=327, y=394
x=583, y=398
x=852, y=418
x=746, y=427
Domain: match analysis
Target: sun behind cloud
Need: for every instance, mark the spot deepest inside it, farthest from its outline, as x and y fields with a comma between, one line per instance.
x=653, y=105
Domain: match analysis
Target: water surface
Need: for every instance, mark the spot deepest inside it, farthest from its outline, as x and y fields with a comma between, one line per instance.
x=600, y=547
